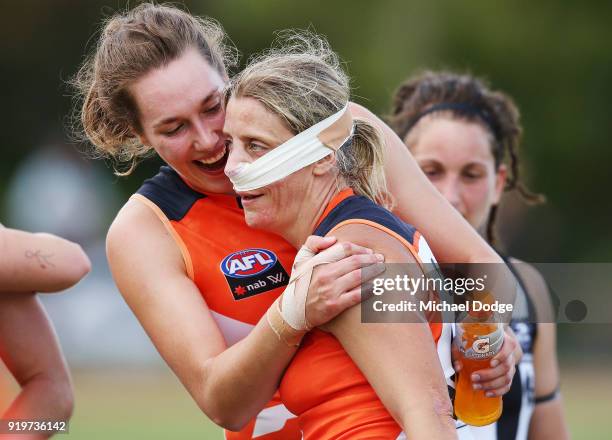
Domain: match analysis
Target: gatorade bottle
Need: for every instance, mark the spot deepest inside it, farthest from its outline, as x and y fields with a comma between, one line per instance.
x=479, y=336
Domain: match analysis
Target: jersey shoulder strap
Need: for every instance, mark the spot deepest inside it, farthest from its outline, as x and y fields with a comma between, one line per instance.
x=170, y=193
x=362, y=208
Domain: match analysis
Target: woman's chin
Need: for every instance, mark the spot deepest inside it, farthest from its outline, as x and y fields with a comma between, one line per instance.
x=256, y=220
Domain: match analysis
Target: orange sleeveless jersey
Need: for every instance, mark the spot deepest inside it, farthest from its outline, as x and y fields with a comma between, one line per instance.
x=322, y=385
x=239, y=271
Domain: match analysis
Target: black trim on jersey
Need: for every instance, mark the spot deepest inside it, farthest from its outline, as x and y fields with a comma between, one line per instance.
x=168, y=191
x=362, y=208
x=508, y=423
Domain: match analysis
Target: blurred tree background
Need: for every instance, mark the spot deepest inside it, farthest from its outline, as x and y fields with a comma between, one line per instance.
x=554, y=58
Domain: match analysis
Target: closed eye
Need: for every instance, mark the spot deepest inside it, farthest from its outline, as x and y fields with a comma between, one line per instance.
x=214, y=109
x=432, y=172
x=174, y=131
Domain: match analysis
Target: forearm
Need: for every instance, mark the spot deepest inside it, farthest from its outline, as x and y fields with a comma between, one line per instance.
x=548, y=421
x=39, y=262
x=242, y=379
x=32, y=354
x=42, y=398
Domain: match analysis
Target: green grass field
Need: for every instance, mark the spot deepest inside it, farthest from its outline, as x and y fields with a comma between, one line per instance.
x=153, y=405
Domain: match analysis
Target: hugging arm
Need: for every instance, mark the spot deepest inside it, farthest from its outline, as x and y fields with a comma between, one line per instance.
x=449, y=235
x=230, y=384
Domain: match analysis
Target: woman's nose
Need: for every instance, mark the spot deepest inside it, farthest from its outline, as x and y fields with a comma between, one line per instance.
x=450, y=190
x=205, y=138
x=235, y=161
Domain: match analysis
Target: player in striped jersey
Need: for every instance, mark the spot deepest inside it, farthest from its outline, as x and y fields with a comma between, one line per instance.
x=460, y=132
x=154, y=82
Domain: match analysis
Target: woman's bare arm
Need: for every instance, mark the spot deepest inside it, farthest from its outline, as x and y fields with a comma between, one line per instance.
x=399, y=359
x=39, y=262
x=548, y=420
x=30, y=350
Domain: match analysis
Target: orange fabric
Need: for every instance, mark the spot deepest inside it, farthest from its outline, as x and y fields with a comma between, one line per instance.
x=214, y=228
x=323, y=385
x=211, y=230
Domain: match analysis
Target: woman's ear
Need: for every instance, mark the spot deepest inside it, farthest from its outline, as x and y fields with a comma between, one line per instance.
x=323, y=166
x=500, y=182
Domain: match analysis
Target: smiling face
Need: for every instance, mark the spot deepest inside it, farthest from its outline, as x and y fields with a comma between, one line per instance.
x=456, y=156
x=181, y=113
x=251, y=131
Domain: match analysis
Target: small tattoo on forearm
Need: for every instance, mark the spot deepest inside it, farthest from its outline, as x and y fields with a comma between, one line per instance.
x=42, y=260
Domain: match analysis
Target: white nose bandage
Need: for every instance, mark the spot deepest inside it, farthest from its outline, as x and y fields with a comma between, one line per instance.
x=301, y=150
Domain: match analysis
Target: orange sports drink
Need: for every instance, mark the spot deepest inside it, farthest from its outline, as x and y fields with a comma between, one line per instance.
x=479, y=337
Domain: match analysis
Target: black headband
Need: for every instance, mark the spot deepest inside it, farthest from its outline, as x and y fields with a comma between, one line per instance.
x=462, y=109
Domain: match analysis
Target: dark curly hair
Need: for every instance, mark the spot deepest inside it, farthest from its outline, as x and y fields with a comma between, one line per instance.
x=469, y=98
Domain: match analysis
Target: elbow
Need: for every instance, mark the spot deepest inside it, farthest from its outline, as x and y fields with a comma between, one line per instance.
x=443, y=408
x=61, y=394
x=230, y=425
x=226, y=419
x=57, y=396
x=82, y=266
x=211, y=401
x=64, y=401
x=76, y=267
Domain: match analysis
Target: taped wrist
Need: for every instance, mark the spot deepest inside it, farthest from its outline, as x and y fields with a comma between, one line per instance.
x=293, y=299
x=280, y=327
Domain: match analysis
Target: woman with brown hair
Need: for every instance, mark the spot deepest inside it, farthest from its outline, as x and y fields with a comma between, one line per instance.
x=460, y=132
x=197, y=278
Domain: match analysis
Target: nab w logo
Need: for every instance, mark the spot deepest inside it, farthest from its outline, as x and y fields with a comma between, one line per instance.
x=253, y=271
x=247, y=263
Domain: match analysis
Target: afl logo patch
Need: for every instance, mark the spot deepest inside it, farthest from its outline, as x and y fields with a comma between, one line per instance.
x=249, y=262
x=252, y=271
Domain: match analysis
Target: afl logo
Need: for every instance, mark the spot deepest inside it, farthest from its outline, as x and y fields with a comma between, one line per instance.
x=247, y=263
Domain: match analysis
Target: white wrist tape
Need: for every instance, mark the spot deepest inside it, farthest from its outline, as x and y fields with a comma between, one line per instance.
x=293, y=301
x=301, y=150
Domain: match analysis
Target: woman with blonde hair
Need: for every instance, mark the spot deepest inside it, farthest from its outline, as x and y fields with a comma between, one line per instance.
x=303, y=165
